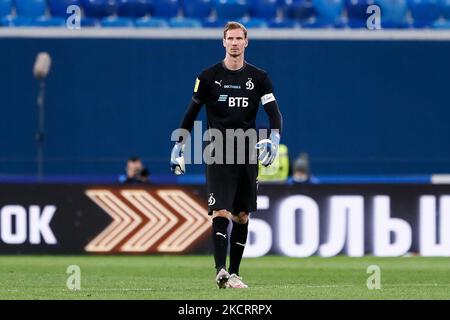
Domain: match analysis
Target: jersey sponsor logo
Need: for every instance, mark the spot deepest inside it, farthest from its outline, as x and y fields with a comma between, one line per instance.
x=211, y=199
x=197, y=83
x=234, y=101
x=223, y=97
x=267, y=98
x=249, y=85
x=231, y=86
x=218, y=82
x=238, y=102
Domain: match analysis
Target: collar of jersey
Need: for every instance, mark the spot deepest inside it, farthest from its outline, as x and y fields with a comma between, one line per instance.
x=234, y=71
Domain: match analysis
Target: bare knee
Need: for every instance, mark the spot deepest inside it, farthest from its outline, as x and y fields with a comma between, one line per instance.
x=221, y=213
x=241, y=218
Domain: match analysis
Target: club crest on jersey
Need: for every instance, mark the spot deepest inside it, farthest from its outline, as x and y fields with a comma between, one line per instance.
x=211, y=199
x=249, y=84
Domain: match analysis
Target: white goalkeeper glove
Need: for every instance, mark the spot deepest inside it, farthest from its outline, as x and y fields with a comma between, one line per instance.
x=177, y=164
x=268, y=149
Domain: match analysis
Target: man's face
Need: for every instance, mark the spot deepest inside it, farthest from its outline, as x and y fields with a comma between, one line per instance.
x=134, y=167
x=235, y=42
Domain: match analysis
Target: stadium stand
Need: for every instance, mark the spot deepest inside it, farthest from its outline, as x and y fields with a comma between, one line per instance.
x=165, y=8
x=99, y=8
x=395, y=14
x=200, y=9
x=5, y=7
x=58, y=8
x=132, y=8
x=116, y=22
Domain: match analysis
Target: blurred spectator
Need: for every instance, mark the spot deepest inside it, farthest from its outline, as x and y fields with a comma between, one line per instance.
x=135, y=172
x=301, y=169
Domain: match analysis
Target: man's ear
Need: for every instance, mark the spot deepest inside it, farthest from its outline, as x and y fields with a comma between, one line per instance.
x=223, y=41
x=246, y=42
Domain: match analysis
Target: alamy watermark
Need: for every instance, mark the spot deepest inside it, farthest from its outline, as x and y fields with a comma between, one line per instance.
x=373, y=22
x=374, y=281
x=73, y=22
x=74, y=280
x=232, y=146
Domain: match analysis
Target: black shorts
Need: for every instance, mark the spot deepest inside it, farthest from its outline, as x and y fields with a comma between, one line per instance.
x=232, y=187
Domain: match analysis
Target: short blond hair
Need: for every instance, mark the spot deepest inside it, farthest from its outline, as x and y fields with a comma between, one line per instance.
x=231, y=25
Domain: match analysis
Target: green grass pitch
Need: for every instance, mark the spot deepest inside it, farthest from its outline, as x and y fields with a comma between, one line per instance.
x=192, y=278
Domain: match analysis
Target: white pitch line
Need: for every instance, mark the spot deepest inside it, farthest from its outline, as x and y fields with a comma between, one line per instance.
x=310, y=286
x=418, y=285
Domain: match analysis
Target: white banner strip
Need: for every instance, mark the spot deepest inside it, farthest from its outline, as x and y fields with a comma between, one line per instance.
x=208, y=33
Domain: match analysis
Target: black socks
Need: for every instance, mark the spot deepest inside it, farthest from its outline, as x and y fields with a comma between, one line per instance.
x=220, y=240
x=237, y=245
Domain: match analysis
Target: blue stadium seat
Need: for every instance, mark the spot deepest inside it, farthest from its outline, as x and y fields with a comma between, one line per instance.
x=184, y=23
x=116, y=22
x=165, y=8
x=87, y=22
x=393, y=13
x=328, y=11
x=200, y=9
x=5, y=7
x=445, y=8
x=394, y=25
x=99, y=8
x=253, y=23
x=214, y=23
x=357, y=9
x=231, y=9
x=58, y=8
x=419, y=25
x=263, y=9
x=132, y=8
x=30, y=8
x=445, y=24
x=424, y=12
x=150, y=23
x=49, y=22
x=281, y=23
x=318, y=23
x=298, y=9
x=16, y=21
x=356, y=23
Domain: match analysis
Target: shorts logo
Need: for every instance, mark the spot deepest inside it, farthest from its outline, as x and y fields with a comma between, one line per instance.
x=249, y=84
x=211, y=200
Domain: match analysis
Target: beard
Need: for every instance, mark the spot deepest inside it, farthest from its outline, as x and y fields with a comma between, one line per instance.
x=235, y=55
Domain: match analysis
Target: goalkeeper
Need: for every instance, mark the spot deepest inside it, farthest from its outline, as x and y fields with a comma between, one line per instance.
x=232, y=91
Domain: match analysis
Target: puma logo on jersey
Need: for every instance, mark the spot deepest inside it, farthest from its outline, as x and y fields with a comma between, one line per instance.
x=218, y=82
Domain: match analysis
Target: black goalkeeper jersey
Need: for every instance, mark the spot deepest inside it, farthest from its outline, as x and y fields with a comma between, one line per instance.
x=232, y=98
